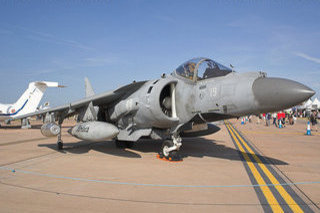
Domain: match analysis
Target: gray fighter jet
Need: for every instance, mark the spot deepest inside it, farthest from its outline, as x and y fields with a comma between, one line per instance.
x=181, y=104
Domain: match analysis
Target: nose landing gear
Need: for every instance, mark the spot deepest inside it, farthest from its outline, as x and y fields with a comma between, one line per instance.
x=169, y=149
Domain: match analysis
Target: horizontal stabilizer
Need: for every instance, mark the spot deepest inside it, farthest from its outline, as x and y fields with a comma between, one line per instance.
x=48, y=84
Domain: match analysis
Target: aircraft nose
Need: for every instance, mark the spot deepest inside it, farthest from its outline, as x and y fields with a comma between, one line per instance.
x=274, y=94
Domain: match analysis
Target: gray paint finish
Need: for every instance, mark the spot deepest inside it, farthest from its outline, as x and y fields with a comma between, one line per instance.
x=165, y=107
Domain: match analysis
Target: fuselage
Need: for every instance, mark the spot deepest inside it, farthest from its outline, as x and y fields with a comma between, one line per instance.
x=7, y=112
x=174, y=100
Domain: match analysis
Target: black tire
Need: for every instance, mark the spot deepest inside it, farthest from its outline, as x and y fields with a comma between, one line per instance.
x=120, y=144
x=124, y=144
x=60, y=145
x=129, y=144
x=174, y=156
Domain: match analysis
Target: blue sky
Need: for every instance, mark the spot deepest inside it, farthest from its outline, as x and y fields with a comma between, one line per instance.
x=116, y=42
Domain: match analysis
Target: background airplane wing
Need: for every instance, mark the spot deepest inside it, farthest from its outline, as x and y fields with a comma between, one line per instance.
x=105, y=98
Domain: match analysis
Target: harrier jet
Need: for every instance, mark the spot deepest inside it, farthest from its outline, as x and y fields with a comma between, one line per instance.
x=174, y=106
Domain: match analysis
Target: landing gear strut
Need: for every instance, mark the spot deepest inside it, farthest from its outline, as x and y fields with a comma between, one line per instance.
x=59, y=142
x=170, y=148
x=60, y=145
x=25, y=123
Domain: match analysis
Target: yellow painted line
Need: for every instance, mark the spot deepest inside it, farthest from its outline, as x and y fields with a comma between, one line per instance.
x=286, y=196
x=265, y=189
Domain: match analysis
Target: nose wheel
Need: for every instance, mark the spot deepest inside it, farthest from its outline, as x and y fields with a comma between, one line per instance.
x=165, y=148
x=169, y=149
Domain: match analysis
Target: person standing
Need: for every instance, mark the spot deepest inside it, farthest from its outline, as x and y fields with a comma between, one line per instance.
x=283, y=118
x=278, y=118
x=268, y=117
x=313, y=120
x=258, y=119
x=290, y=115
x=274, y=116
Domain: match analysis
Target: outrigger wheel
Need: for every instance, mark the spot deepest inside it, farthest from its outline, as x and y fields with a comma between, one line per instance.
x=164, y=153
x=60, y=145
x=124, y=144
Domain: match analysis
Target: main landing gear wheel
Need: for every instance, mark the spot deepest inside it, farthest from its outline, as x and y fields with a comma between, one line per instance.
x=124, y=144
x=60, y=145
x=165, y=152
x=59, y=142
x=129, y=144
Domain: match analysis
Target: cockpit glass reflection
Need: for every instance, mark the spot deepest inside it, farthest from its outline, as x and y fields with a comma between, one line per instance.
x=203, y=68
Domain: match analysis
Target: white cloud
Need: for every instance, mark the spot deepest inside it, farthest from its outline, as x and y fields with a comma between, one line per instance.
x=53, y=39
x=307, y=57
x=42, y=36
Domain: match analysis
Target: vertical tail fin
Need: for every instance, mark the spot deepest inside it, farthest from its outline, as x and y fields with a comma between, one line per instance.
x=88, y=86
x=31, y=98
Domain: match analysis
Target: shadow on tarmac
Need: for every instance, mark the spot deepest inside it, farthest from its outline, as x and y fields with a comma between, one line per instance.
x=34, y=126
x=19, y=126
x=192, y=147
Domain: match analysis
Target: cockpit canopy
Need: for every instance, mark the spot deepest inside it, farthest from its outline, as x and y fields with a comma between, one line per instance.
x=201, y=68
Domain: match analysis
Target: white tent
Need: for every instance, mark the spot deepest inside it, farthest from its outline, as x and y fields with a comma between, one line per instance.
x=316, y=103
x=307, y=104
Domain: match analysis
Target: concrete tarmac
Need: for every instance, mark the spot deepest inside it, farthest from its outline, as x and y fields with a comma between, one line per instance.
x=214, y=175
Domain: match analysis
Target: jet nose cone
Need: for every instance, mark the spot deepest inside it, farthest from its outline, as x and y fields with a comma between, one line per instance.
x=274, y=94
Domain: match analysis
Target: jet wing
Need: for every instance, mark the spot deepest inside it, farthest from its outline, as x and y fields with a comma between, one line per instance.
x=105, y=98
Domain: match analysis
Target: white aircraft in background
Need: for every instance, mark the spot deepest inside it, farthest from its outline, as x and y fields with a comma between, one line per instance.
x=28, y=102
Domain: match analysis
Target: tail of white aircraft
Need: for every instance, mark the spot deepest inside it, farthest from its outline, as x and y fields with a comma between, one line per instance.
x=31, y=98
